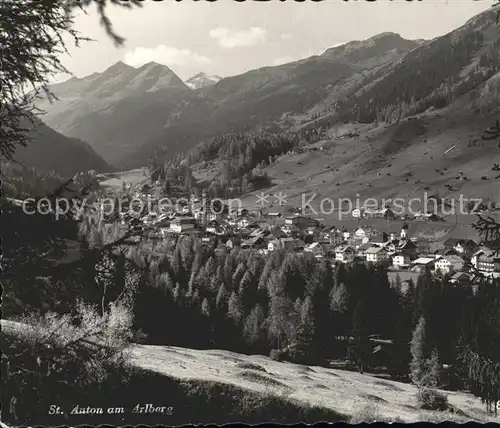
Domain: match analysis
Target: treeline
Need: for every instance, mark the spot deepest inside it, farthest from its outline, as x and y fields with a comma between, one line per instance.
x=241, y=157
x=20, y=181
x=291, y=307
x=426, y=77
x=247, y=303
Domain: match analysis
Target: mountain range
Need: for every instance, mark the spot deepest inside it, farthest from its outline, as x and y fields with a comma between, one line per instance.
x=131, y=115
x=127, y=113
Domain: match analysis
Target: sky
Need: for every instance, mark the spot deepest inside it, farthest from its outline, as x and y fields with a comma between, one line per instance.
x=227, y=37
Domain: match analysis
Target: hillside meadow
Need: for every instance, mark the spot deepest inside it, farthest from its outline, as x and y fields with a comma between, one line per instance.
x=357, y=397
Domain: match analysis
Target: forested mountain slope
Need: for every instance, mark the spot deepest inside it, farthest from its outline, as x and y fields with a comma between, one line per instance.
x=51, y=151
x=431, y=76
x=130, y=115
x=117, y=109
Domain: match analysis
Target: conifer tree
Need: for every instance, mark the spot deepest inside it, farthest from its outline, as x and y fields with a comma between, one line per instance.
x=425, y=367
x=247, y=292
x=177, y=294
x=419, y=352
x=234, y=308
x=205, y=308
x=361, y=346
x=238, y=275
x=339, y=305
x=280, y=329
x=222, y=299
x=253, y=328
x=303, y=349
x=339, y=299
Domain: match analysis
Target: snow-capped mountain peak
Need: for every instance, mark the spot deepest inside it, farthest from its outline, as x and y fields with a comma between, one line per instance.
x=202, y=80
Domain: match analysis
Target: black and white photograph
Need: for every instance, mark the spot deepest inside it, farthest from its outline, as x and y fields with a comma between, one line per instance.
x=260, y=211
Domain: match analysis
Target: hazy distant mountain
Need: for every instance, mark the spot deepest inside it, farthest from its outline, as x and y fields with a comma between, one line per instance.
x=202, y=80
x=131, y=115
x=264, y=96
x=128, y=114
x=113, y=110
x=52, y=151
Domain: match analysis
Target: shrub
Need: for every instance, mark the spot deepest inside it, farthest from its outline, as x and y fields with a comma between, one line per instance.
x=432, y=399
x=82, y=350
x=91, y=342
x=140, y=337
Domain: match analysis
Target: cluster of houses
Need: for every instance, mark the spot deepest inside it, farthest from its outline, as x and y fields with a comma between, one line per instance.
x=389, y=214
x=226, y=228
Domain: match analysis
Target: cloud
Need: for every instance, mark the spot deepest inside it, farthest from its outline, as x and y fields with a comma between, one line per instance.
x=232, y=39
x=167, y=55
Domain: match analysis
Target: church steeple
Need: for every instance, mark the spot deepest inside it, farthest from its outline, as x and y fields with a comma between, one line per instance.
x=404, y=231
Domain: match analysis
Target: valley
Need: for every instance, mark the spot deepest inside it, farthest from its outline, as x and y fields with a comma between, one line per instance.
x=315, y=240
x=405, y=160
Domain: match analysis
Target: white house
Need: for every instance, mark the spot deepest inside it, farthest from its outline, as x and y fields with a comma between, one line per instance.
x=356, y=213
x=273, y=215
x=316, y=248
x=333, y=236
x=336, y=238
x=422, y=263
x=289, y=244
x=447, y=264
x=475, y=257
x=181, y=224
x=242, y=222
x=344, y=254
x=390, y=247
x=362, y=234
x=484, y=261
x=400, y=260
x=376, y=254
x=215, y=227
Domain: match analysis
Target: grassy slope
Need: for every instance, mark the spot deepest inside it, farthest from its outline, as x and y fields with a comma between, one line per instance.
x=193, y=400
x=347, y=393
x=361, y=166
